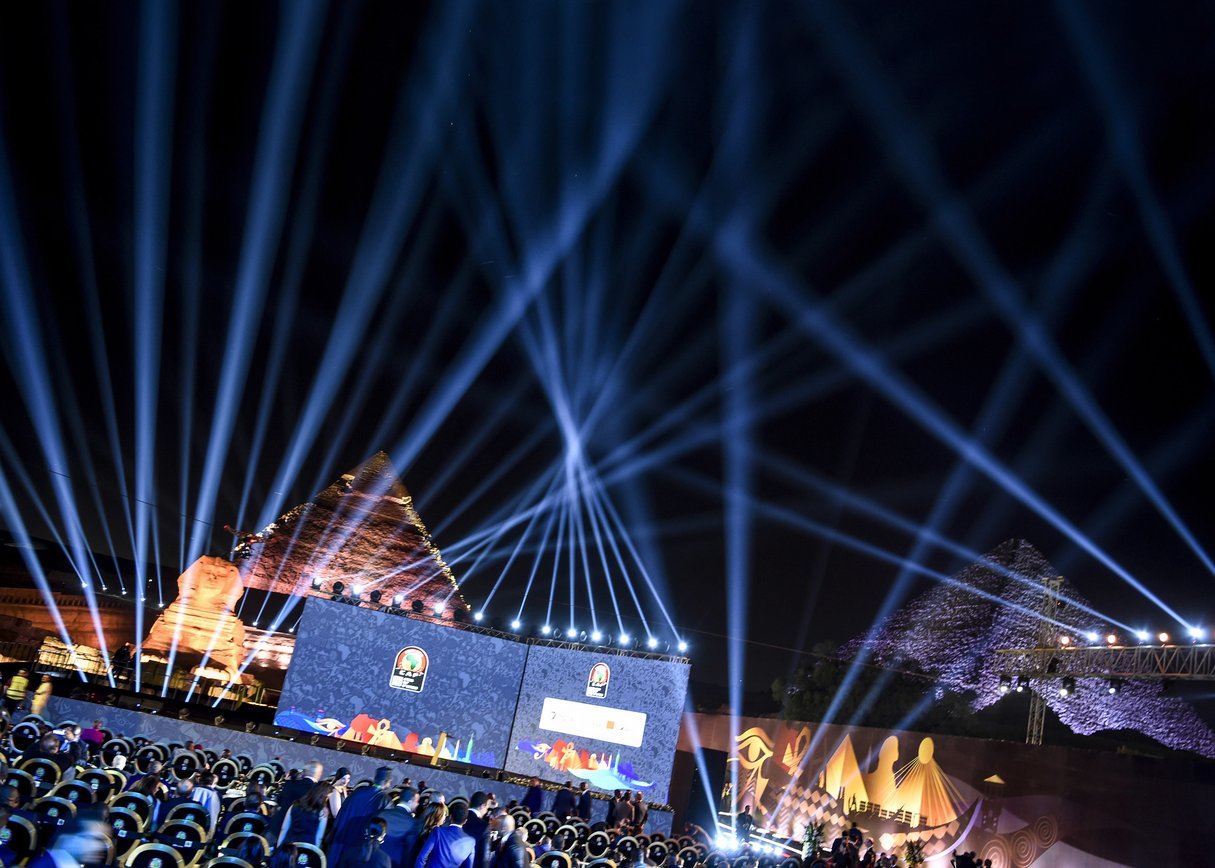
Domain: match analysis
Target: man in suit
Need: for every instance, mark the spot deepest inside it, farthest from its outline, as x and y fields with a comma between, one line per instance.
x=358, y=808
x=613, y=810
x=448, y=846
x=563, y=802
x=640, y=811
x=510, y=852
x=477, y=826
x=402, y=829
x=533, y=799
x=584, y=801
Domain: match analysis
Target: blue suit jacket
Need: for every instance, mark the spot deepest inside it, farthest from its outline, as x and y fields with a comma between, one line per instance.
x=447, y=847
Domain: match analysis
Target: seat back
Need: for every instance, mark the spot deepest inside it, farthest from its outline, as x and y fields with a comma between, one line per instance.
x=44, y=772
x=128, y=829
x=23, y=736
x=307, y=856
x=153, y=855
x=53, y=812
x=99, y=782
x=246, y=822
x=23, y=782
x=137, y=802
x=77, y=791
x=194, y=813
x=226, y=771
x=249, y=846
x=227, y=862
x=21, y=837
x=187, y=838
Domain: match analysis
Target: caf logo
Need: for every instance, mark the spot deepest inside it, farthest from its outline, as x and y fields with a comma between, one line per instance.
x=409, y=669
x=597, y=682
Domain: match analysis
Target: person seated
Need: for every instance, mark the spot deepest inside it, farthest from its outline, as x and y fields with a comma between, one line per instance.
x=76, y=750
x=205, y=795
x=47, y=748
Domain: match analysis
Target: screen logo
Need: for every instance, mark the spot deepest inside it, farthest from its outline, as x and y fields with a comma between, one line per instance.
x=409, y=669
x=597, y=682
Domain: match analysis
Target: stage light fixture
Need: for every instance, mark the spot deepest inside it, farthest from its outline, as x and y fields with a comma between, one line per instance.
x=1197, y=634
x=582, y=637
x=624, y=639
x=375, y=596
x=417, y=606
x=1065, y=641
x=1067, y=687
x=596, y=636
x=338, y=587
x=356, y=591
x=397, y=600
x=1092, y=636
x=478, y=616
x=1022, y=683
x=1005, y=684
x=316, y=583
x=1143, y=635
x=546, y=629
x=571, y=633
x=651, y=643
x=1164, y=638
x=1111, y=639
x=440, y=608
x=516, y=624
x=1114, y=686
x=683, y=646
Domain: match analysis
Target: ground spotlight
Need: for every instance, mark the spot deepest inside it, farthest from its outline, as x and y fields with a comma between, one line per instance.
x=1065, y=641
x=571, y=632
x=1143, y=635
x=1197, y=634
x=338, y=587
x=1092, y=636
x=316, y=583
x=376, y=596
x=516, y=624
x=1022, y=683
x=683, y=646
x=1067, y=687
x=356, y=591
x=417, y=606
x=651, y=643
x=596, y=636
x=1005, y=684
x=546, y=629
x=625, y=639
x=1114, y=686
x=440, y=608
x=478, y=616
x=1111, y=639
x=397, y=600
x=1164, y=638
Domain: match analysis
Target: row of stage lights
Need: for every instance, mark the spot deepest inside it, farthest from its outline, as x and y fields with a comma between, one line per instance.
x=1067, y=685
x=1092, y=638
x=571, y=634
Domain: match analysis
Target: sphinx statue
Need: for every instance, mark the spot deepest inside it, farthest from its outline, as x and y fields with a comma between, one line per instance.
x=200, y=621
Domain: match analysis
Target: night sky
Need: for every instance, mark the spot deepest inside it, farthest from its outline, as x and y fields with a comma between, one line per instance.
x=483, y=221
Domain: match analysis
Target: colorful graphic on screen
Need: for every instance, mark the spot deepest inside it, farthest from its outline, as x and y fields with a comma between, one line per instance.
x=402, y=683
x=568, y=724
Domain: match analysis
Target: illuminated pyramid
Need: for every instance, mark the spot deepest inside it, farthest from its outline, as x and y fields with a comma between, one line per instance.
x=361, y=531
x=953, y=633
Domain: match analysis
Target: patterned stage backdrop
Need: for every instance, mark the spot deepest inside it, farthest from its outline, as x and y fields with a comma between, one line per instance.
x=261, y=748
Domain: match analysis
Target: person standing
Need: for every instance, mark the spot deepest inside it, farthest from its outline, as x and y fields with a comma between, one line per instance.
x=402, y=829
x=368, y=853
x=477, y=827
x=306, y=820
x=563, y=802
x=362, y=805
x=15, y=693
x=341, y=789
x=624, y=813
x=640, y=811
x=585, y=802
x=448, y=846
x=744, y=825
x=41, y=696
x=511, y=852
x=533, y=799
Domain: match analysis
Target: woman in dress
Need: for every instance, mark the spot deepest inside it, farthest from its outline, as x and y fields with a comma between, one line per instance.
x=306, y=820
x=341, y=789
x=41, y=696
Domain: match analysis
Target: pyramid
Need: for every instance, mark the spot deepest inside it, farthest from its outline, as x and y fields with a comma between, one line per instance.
x=360, y=530
x=953, y=633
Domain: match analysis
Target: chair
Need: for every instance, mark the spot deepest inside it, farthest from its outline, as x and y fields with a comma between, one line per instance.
x=226, y=771
x=136, y=802
x=128, y=828
x=533, y=831
x=656, y=852
x=51, y=814
x=191, y=811
x=22, y=782
x=565, y=838
x=153, y=856
x=185, y=765
x=248, y=846
x=99, y=782
x=280, y=770
x=307, y=856
x=261, y=775
x=555, y=859
x=44, y=772
x=75, y=791
x=22, y=737
x=244, y=762
x=687, y=857
x=227, y=862
x=187, y=838
x=21, y=837
x=601, y=863
x=597, y=844
x=119, y=778
x=790, y=862
x=246, y=822
x=147, y=755
x=628, y=847
x=551, y=823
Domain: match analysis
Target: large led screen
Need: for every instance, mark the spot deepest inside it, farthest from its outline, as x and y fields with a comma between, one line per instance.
x=608, y=720
x=399, y=682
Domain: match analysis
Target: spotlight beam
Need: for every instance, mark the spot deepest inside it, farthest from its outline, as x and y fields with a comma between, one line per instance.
x=922, y=173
